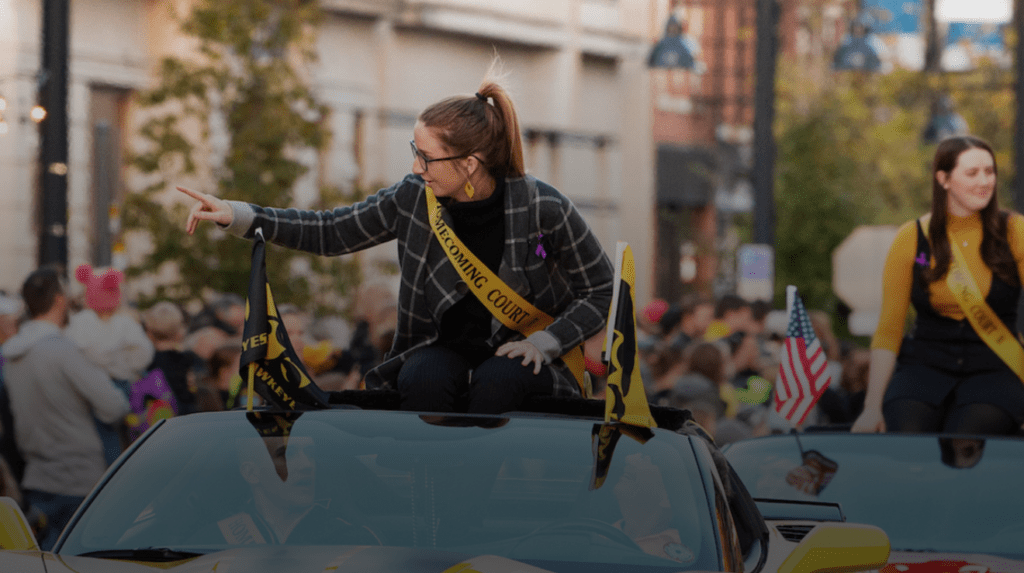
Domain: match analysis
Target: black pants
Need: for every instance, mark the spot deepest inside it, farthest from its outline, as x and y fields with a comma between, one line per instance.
x=437, y=379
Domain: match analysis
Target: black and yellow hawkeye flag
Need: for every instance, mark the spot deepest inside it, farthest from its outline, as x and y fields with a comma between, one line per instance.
x=269, y=363
x=625, y=407
x=625, y=397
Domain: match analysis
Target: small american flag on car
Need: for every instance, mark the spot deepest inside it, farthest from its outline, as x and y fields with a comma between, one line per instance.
x=803, y=376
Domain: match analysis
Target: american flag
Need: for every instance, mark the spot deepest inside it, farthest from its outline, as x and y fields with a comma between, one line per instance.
x=802, y=371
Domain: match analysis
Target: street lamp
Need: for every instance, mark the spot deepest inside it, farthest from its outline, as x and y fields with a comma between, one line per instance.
x=859, y=50
x=674, y=50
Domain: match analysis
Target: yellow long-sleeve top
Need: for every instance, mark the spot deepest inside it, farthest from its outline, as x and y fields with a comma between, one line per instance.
x=899, y=274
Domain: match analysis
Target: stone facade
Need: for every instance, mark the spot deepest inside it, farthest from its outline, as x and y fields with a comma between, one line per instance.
x=577, y=69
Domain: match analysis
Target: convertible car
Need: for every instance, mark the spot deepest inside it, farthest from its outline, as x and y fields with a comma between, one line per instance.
x=367, y=489
x=948, y=503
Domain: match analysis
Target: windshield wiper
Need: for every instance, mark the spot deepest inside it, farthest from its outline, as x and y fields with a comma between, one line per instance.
x=150, y=554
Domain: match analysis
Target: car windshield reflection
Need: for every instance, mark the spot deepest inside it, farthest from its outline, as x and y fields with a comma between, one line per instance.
x=929, y=493
x=520, y=488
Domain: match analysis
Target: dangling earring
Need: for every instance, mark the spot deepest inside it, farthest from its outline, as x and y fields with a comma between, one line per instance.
x=469, y=190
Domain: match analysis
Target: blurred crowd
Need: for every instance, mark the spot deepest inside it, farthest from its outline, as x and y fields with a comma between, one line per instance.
x=82, y=374
x=719, y=358
x=133, y=366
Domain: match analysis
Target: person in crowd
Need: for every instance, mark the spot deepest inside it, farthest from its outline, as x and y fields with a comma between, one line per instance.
x=10, y=316
x=10, y=313
x=165, y=325
x=752, y=421
x=55, y=393
x=702, y=389
x=767, y=353
x=832, y=407
x=759, y=361
x=733, y=326
x=112, y=339
x=960, y=371
x=468, y=194
x=223, y=387
x=657, y=322
x=696, y=312
x=696, y=394
x=318, y=357
x=375, y=312
x=218, y=324
x=855, y=380
x=670, y=320
x=666, y=365
x=328, y=357
x=648, y=320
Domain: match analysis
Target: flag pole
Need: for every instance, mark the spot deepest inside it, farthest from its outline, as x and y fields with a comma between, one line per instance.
x=790, y=298
x=252, y=377
x=252, y=365
x=613, y=311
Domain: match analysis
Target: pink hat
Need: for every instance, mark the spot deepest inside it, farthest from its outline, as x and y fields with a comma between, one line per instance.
x=654, y=310
x=102, y=292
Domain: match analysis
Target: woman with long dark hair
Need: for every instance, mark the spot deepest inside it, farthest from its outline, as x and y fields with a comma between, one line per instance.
x=500, y=274
x=960, y=369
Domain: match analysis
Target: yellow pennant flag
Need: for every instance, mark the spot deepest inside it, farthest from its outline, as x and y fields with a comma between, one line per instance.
x=269, y=360
x=625, y=397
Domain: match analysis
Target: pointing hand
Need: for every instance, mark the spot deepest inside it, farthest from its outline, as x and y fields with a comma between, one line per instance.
x=207, y=208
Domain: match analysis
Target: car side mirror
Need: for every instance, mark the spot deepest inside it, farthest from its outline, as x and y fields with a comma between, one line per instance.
x=15, y=533
x=835, y=547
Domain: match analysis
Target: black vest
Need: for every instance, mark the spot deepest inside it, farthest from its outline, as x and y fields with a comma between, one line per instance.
x=951, y=344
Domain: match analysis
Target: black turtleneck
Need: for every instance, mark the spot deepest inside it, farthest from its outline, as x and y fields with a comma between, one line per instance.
x=480, y=225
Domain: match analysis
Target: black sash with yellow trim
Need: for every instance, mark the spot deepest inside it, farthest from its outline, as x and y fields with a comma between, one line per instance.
x=498, y=298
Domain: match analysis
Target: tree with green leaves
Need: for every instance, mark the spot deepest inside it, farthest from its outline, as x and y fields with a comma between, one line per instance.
x=843, y=162
x=850, y=153
x=239, y=113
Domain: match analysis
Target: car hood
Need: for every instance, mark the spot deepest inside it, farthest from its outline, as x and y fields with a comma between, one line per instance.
x=304, y=560
x=367, y=559
x=928, y=562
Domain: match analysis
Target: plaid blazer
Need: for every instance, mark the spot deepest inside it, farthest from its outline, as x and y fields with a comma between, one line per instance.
x=572, y=282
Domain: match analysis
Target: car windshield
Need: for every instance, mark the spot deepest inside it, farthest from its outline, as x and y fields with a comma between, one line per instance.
x=520, y=488
x=929, y=493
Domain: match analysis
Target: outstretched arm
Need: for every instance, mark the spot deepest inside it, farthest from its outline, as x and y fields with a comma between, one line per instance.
x=342, y=230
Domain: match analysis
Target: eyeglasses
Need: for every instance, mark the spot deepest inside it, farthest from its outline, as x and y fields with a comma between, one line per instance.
x=426, y=161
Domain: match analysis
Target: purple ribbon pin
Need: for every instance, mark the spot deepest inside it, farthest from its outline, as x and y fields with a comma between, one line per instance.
x=921, y=260
x=539, y=251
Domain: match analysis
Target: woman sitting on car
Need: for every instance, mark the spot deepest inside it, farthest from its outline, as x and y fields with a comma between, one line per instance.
x=960, y=265
x=501, y=275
